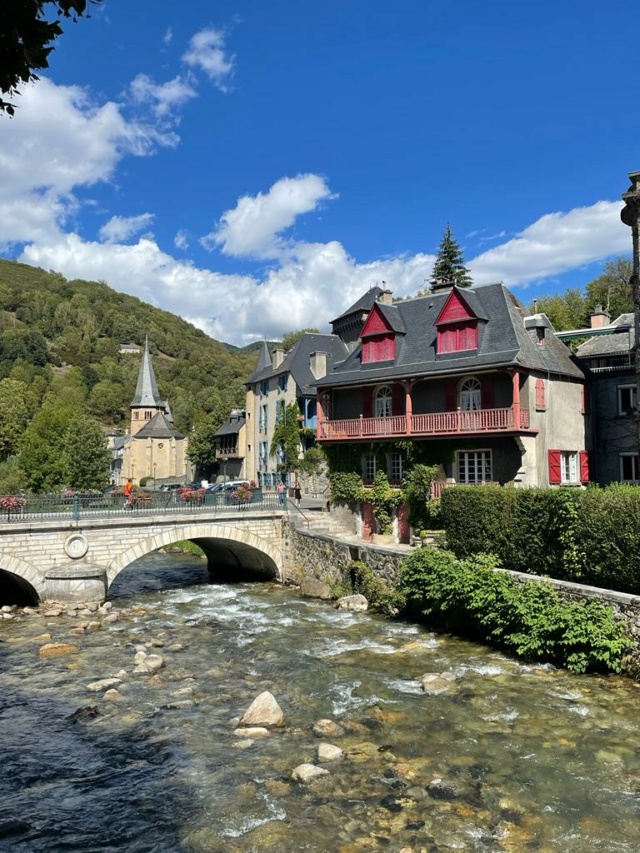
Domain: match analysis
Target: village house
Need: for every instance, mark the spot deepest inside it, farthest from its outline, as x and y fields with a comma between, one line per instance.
x=469, y=366
x=231, y=446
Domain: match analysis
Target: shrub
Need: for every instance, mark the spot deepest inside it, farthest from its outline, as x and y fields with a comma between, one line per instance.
x=531, y=619
x=589, y=536
x=359, y=578
x=417, y=494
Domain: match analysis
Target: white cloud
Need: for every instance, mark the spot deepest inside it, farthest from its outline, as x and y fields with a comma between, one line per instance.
x=181, y=240
x=122, y=227
x=168, y=36
x=252, y=227
x=162, y=98
x=207, y=52
x=555, y=243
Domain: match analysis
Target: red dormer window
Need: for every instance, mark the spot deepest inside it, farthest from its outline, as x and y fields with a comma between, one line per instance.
x=378, y=338
x=457, y=326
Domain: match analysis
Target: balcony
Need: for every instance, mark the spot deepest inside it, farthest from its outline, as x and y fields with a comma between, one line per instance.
x=459, y=422
x=229, y=452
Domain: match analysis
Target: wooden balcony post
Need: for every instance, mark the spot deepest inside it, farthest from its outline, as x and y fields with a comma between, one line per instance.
x=319, y=416
x=515, y=378
x=360, y=424
x=408, y=405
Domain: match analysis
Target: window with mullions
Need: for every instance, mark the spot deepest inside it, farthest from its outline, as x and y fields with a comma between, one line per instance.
x=282, y=382
x=395, y=468
x=263, y=418
x=569, y=466
x=629, y=468
x=626, y=399
x=369, y=467
x=474, y=466
x=384, y=402
x=264, y=389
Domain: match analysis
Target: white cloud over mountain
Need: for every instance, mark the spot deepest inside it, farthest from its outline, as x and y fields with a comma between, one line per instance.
x=63, y=141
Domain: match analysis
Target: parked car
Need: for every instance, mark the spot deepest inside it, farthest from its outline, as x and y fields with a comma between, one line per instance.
x=171, y=487
x=229, y=486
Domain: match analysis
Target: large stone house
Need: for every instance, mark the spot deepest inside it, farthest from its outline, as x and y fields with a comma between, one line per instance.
x=607, y=358
x=468, y=368
x=153, y=448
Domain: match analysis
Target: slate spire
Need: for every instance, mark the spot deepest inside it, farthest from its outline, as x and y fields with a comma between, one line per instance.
x=147, y=393
x=264, y=359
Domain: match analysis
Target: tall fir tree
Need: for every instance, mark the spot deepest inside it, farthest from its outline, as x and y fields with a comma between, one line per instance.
x=449, y=268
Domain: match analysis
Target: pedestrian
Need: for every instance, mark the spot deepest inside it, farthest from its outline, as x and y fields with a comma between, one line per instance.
x=297, y=493
x=128, y=491
x=280, y=489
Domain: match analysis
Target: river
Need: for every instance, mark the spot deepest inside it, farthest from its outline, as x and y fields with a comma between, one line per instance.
x=510, y=757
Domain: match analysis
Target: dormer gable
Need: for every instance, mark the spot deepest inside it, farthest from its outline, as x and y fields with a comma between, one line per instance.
x=457, y=325
x=378, y=338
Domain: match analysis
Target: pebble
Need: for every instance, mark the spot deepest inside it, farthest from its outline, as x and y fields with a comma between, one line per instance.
x=329, y=752
x=103, y=684
x=306, y=773
x=113, y=696
x=52, y=650
x=328, y=728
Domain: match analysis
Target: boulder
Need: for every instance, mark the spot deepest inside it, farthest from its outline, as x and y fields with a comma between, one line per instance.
x=153, y=662
x=329, y=752
x=103, y=684
x=54, y=650
x=263, y=711
x=357, y=603
x=305, y=773
x=255, y=732
x=313, y=588
x=437, y=682
x=328, y=728
x=113, y=696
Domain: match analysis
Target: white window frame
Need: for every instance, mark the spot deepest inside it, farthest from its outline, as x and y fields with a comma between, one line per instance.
x=635, y=465
x=264, y=417
x=627, y=410
x=395, y=467
x=383, y=402
x=569, y=467
x=482, y=462
x=369, y=467
x=470, y=394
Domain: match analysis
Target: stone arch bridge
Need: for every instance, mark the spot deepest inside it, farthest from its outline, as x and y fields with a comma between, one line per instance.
x=77, y=560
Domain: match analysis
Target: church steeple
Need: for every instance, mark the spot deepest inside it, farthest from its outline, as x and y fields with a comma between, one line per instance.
x=147, y=401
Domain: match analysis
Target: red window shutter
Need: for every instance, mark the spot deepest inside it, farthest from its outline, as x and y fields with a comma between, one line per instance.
x=468, y=336
x=397, y=397
x=366, y=402
x=367, y=352
x=540, y=395
x=389, y=348
x=585, y=466
x=450, y=394
x=555, y=471
x=486, y=392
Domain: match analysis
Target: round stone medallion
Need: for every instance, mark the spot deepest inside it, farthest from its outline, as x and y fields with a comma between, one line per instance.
x=76, y=546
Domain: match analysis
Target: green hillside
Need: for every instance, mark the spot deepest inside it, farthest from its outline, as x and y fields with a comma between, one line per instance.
x=62, y=339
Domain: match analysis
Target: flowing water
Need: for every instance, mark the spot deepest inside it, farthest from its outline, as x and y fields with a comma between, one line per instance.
x=509, y=757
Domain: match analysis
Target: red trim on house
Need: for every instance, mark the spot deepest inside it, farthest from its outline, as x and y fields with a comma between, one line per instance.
x=555, y=470
x=454, y=310
x=375, y=324
x=541, y=404
x=379, y=348
x=458, y=336
x=585, y=466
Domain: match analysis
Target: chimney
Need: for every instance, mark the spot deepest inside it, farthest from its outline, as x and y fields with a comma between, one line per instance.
x=277, y=357
x=318, y=364
x=600, y=318
x=386, y=297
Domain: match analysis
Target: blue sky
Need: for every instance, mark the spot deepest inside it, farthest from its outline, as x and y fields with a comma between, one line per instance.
x=254, y=167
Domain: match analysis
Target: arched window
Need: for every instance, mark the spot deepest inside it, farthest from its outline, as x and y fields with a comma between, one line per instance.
x=384, y=402
x=469, y=394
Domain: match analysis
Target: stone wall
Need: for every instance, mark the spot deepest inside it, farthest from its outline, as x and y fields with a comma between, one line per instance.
x=324, y=557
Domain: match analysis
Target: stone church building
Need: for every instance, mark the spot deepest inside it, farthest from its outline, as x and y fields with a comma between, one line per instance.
x=154, y=448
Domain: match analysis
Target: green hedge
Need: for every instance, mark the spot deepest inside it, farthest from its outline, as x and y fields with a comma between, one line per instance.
x=589, y=536
x=531, y=620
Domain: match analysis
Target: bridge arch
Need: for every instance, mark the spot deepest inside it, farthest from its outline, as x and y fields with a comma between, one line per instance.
x=27, y=578
x=216, y=540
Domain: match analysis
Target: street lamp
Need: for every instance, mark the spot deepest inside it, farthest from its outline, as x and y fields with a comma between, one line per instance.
x=225, y=459
x=154, y=474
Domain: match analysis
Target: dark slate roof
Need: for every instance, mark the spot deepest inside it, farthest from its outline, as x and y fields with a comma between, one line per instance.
x=158, y=427
x=502, y=341
x=264, y=361
x=297, y=361
x=393, y=317
x=231, y=426
x=365, y=303
x=147, y=393
x=619, y=341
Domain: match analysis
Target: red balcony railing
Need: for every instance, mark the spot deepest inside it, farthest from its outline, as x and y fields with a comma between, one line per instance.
x=439, y=423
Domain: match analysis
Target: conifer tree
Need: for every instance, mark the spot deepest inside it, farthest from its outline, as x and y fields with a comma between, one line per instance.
x=449, y=267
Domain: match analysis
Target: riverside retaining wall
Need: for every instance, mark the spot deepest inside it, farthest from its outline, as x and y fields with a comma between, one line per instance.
x=325, y=557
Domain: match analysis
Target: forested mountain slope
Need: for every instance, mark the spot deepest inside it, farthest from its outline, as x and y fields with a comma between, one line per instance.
x=62, y=339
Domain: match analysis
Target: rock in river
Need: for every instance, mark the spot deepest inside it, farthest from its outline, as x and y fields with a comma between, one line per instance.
x=308, y=772
x=313, y=588
x=54, y=650
x=263, y=711
x=357, y=603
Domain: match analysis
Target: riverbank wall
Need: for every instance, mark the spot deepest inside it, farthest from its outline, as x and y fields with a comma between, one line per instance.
x=326, y=558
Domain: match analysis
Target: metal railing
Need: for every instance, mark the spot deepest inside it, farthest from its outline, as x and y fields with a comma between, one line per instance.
x=57, y=507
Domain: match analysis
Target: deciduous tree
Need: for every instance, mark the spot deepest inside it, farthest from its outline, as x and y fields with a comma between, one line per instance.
x=86, y=456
